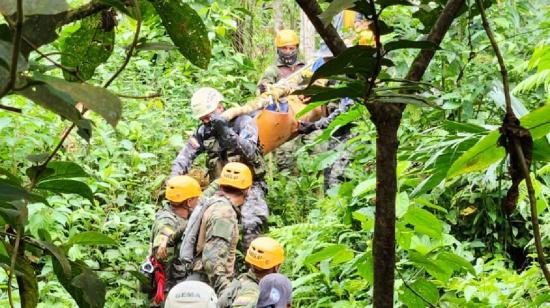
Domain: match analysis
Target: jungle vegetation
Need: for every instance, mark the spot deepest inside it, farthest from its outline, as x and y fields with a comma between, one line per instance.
x=435, y=210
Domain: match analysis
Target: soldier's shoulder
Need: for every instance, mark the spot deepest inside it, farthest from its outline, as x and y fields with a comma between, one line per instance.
x=219, y=207
x=165, y=212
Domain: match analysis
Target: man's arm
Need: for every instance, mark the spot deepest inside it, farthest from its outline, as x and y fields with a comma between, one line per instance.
x=185, y=157
x=217, y=249
x=245, y=142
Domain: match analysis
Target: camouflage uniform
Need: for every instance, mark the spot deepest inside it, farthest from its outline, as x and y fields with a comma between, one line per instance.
x=217, y=243
x=248, y=291
x=278, y=71
x=334, y=174
x=284, y=154
x=229, y=142
x=167, y=223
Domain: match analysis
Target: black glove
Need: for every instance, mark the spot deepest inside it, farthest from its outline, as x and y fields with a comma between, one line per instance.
x=306, y=127
x=262, y=88
x=219, y=123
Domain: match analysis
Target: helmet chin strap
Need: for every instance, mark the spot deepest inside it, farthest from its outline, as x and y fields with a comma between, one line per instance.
x=288, y=58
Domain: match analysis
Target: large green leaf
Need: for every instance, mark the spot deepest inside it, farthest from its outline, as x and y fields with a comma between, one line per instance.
x=67, y=187
x=84, y=286
x=90, y=238
x=337, y=252
x=59, y=255
x=34, y=7
x=435, y=268
x=9, y=192
x=424, y=222
x=486, y=152
x=9, y=178
x=427, y=290
x=10, y=213
x=94, y=98
x=56, y=170
x=186, y=30
x=456, y=262
x=57, y=102
x=87, y=48
x=337, y=65
x=5, y=61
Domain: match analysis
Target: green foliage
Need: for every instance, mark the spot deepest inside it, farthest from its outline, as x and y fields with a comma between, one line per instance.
x=86, y=219
x=186, y=30
x=87, y=48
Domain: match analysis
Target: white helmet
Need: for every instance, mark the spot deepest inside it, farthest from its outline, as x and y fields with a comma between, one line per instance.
x=204, y=101
x=191, y=294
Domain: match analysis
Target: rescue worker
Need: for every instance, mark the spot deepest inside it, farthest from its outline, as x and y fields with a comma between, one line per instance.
x=275, y=292
x=264, y=256
x=191, y=294
x=216, y=245
x=183, y=194
x=223, y=142
x=334, y=173
x=287, y=43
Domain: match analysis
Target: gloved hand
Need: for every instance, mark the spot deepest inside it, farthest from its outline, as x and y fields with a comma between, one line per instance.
x=262, y=88
x=306, y=127
x=218, y=122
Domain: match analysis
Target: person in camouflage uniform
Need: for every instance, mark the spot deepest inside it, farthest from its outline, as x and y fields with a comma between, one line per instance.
x=287, y=43
x=264, y=256
x=216, y=246
x=223, y=142
x=183, y=194
x=333, y=174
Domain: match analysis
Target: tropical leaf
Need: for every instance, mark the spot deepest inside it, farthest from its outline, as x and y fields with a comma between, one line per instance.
x=186, y=30
x=87, y=48
x=486, y=152
x=63, y=186
x=94, y=98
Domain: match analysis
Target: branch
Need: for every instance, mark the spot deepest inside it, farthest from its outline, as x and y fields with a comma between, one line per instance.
x=115, y=75
x=516, y=144
x=82, y=12
x=132, y=47
x=15, y=51
x=328, y=34
x=436, y=35
x=8, y=108
x=378, y=46
x=154, y=95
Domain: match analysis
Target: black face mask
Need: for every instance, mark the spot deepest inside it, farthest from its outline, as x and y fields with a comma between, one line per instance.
x=288, y=58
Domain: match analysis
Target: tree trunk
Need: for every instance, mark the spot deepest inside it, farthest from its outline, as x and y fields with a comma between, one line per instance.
x=387, y=119
x=307, y=37
x=278, y=15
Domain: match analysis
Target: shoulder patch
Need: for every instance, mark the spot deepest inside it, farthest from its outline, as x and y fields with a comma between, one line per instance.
x=220, y=227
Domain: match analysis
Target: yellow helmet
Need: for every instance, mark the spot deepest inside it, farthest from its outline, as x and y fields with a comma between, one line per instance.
x=181, y=188
x=236, y=175
x=265, y=253
x=204, y=101
x=286, y=37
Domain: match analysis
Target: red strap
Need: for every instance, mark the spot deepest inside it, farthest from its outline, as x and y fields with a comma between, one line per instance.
x=160, y=279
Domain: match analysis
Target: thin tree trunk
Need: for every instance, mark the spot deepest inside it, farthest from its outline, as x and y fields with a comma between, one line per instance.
x=387, y=119
x=278, y=15
x=307, y=37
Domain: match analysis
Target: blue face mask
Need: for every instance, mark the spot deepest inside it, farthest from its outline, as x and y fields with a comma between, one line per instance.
x=288, y=58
